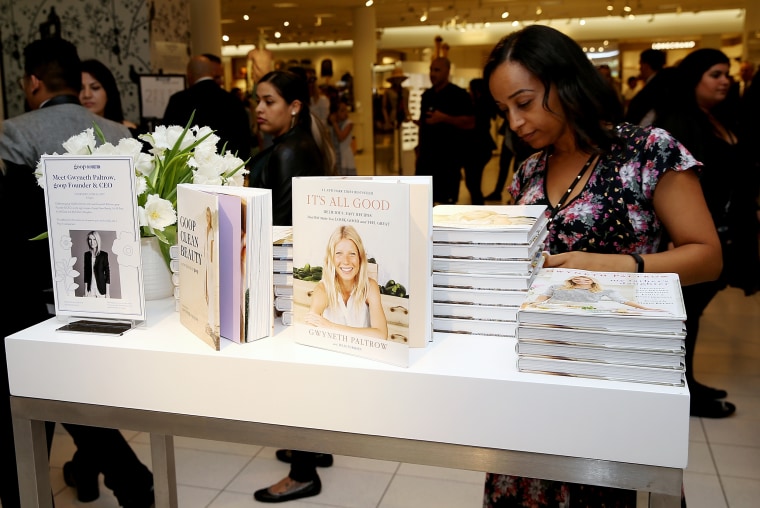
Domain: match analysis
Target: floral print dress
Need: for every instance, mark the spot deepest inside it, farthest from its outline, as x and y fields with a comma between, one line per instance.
x=614, y=213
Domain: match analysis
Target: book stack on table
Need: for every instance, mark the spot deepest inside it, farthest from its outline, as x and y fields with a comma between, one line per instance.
x=603, y=325
x=282, y=268
x=484, y=260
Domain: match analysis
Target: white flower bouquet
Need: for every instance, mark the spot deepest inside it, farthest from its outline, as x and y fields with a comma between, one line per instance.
x=176, y=155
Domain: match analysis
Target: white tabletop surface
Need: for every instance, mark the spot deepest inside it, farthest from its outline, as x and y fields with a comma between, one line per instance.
x=459, y=390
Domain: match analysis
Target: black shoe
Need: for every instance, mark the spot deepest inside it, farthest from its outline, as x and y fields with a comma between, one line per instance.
x=711, y=408
x=698, y=390
x=307, y=489
x=86, y=485
x=322, y=459
x=494, y=196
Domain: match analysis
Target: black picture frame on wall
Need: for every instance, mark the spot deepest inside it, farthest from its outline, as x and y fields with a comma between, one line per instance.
x=155, y=90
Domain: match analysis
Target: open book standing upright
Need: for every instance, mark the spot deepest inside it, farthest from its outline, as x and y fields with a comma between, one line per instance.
x=362, y=265
x=225, y=257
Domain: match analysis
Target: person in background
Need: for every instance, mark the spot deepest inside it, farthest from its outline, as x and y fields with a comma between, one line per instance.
x=51, y=82
x=300, y=147
x=651, y=62
x=481, y=144
x=631, y=89
x=97, y=272
x=318, y=101
x=606, y=73
x=341, y=129
x=212, y=106
x=446, y=117
x=699, y=114
x=396, y=100
x=100, y=93
x=611, y=190
x=746, y=73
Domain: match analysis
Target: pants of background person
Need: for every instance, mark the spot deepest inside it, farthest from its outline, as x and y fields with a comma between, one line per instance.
x=696, y=299
x=101, y=450
x=303, y=467
x=473, y=175
x=505, y=159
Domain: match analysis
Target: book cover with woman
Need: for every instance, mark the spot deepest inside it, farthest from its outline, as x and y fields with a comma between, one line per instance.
x=354, y=287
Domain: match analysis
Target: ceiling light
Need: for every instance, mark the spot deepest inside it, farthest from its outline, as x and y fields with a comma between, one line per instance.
x=515, y=23
x=627, y=8
x=424, y=17
x=277, y=35
x=246, y=17
x=369, y=3
x=286, y=23
x=581, y=21
x=539, y=11
x=609, y=7
x=505, y=15
x=226, y=38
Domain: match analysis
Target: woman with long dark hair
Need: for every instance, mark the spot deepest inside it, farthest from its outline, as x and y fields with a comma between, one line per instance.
x=699, y=112
x=611, y=190
x=300, y=147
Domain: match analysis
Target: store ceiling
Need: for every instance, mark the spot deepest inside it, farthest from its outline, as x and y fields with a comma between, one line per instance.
x=331, y=20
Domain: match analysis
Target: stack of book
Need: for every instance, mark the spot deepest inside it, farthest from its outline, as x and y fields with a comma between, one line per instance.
x=174, y=267
x=603, y=325
x=282, y=266
x=484, y=260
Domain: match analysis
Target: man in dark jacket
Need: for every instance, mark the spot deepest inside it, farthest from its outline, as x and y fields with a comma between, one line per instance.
x=214, y=107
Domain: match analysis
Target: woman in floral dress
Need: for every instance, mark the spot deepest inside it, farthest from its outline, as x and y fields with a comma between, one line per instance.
x=611, y=190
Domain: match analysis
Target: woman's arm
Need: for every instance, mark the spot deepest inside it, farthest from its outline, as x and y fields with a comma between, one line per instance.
x=696, y=253
x=341, y=133
x=377, y=320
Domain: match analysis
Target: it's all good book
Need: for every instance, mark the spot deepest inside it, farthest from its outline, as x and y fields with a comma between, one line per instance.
x=362, y=265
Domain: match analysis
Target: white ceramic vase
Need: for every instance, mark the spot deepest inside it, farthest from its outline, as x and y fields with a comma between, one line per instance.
x=157, y=278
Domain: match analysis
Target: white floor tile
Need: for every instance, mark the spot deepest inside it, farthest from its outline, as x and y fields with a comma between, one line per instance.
x=195, y=497
x=700, y=459
x=738, y=461
x=208, y=469
x=417, y=492
x=741, y=492
x=703, y=491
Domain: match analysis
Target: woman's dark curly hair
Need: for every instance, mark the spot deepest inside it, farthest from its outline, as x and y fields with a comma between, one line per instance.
x=589, y=104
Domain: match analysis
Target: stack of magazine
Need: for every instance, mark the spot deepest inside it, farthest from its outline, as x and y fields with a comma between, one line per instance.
x=282, y=268
x=603, y=325
x=484, y=260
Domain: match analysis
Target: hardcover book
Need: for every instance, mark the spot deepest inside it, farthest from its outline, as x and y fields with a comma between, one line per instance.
x=599, y=370
x=510, y=251
x=282, y=242
x=651, y=341
x=225, y=251
x=601, y=354
x=479, y=296
x=464, y=311
x=488, y=224
x=362, y=264
x=484, y=281
x=521, y=267
x=638, y=302
x=465, y=326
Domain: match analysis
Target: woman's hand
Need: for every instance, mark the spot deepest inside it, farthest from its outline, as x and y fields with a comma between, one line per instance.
x=314, y=319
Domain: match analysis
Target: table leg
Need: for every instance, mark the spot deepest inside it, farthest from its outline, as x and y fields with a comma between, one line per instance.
x=164, y=470
x=32, y=463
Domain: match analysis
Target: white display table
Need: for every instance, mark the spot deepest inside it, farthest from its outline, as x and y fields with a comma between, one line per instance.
x=461, y=404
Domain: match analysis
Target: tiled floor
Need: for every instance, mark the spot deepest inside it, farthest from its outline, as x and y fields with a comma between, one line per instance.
x=724, y=455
